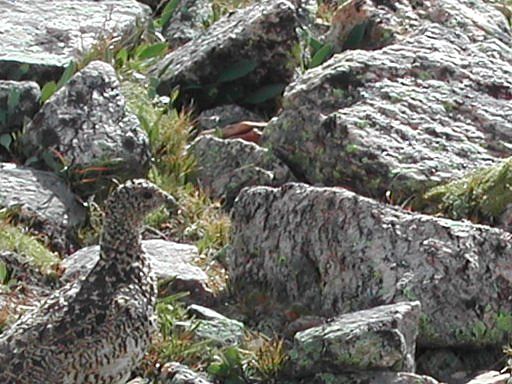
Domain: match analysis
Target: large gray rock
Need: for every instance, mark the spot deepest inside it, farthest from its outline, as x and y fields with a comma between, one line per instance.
x=431, y=107
x=88, y=124
x=188, y=22
x=43, y=200
x=380, y=338
x=38, y=39
x=171, y=262
x=224, y=167
x=335, y=252
x=18, y=101
x=238, y=56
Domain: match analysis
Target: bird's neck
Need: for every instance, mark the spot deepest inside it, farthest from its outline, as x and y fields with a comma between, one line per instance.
x=120, y=244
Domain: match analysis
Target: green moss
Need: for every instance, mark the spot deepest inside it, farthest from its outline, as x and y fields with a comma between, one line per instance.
x=481, y=196
x=496, y=329
x=427, y=331
x=14, y=239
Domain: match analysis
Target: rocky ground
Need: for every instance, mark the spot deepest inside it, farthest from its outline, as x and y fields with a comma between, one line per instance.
x=342, y=170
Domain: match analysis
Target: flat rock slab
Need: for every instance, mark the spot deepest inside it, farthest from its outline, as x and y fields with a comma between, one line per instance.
x=235, y=59
x=336, y=252
x=89, y=126
x=18, y=101
x=39, y=39
x=383, y=338
x=43, y=199
x=428, y=108
x=224, y=167
x=171, y=262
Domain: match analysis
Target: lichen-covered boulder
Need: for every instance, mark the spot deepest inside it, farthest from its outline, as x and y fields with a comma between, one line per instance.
x=18, y=101
x=171, y=262
x=39, y=39
x=430, y=107
x=43, y=200
x=246, y=57
x=335, y=252
x=86, y=126
x=188, y=22
x=224, y=167
x=380, y=338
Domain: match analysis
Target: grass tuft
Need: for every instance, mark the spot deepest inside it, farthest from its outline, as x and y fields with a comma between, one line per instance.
x=15, y=239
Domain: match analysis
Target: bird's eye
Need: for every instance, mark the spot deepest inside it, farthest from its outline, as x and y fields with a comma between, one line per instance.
x=147, y=195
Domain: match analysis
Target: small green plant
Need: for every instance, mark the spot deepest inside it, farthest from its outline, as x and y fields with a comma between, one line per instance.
x=51, y=87
x=14, y=239
x=167, y=13
x=480, y=196
x=5, y=276
x=228, y=366
x=269, y=358
x=319, y=52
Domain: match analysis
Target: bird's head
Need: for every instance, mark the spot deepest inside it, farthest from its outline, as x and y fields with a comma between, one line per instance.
x=135, y=199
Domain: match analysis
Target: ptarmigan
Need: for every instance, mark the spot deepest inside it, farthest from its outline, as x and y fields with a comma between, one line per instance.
x=95, y=330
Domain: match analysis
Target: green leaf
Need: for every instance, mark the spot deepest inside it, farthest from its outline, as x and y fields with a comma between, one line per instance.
x=150, y=51
x=321, y=55
x=232, y=355
x=51, y=162
x=168, y=11
x=217, y=369
x=314, y=43
x=6, y=140
x=3, y=273
x=237, y=70
x=355, y=37
x=152, y=87
x=122, y=57
x=13, y=99
x=31, y=160
x=48, y=90
x=265, y=93
x=67, y=74
x=3, y=116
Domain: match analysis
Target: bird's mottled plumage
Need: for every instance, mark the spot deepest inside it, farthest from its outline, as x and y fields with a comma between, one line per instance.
x=95, y=330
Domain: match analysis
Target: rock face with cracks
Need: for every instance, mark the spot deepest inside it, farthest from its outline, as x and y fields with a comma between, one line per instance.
x=88, y=125
x=240, y=55
x=432, y=106
x=42, y=199
x=39, y=38
x=334, y=252
x=380, y=338
x=226, y=166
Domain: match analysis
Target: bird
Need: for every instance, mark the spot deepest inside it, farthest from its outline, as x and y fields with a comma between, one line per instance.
x=96, y=329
